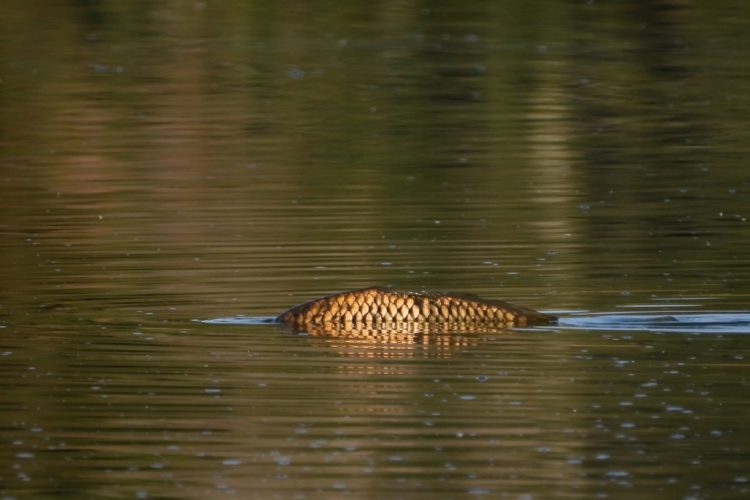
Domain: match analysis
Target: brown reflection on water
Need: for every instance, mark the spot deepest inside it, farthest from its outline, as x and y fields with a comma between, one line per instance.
x=400, y=332
x=243, y=141
x=397, y=345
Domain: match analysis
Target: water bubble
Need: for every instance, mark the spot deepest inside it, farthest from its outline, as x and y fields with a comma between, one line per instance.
x=295, y=73
x=479, y=491
x=618, y=473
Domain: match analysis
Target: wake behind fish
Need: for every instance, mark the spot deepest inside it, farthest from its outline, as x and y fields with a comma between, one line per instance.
x=707, y=322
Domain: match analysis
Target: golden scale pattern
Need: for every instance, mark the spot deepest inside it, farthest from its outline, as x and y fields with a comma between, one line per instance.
x=372, y=310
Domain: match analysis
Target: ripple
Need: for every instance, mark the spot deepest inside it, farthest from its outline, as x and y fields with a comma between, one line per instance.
x=708, y=322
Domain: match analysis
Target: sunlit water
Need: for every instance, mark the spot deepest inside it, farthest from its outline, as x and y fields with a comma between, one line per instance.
x=174, y=174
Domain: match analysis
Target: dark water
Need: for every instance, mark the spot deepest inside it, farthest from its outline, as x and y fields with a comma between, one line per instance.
x=170, y=171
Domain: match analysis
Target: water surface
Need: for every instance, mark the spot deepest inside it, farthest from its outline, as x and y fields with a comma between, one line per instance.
x=164, y=166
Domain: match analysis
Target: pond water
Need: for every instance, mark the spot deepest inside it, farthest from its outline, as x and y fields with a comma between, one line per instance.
x=172, y=172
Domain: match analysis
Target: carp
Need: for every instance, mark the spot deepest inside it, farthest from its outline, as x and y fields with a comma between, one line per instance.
x=377, y=307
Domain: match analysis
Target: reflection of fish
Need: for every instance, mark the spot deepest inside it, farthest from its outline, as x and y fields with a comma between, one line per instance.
x=377, y=309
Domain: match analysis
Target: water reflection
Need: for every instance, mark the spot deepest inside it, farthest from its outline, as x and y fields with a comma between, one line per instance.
x=162, y=162
x=386, y=341
x=404, y=333
x=397, y=345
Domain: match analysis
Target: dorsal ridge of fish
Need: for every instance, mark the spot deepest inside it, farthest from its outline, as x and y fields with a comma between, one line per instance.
x=376, y=305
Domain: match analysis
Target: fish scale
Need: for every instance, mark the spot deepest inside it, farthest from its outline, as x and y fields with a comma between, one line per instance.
x=370, y=307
